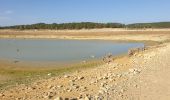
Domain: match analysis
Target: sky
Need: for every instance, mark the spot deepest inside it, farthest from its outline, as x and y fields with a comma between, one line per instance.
x=16, y=12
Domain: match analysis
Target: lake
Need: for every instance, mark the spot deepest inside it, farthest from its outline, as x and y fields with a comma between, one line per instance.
x=61, y=51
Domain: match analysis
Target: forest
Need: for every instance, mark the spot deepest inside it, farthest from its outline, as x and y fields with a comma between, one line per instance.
x=88, y=25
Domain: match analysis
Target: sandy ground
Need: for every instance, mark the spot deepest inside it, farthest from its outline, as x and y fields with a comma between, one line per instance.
x=104, y=34
x=143, y=76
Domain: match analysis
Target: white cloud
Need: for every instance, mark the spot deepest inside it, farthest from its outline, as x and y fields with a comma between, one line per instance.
x=8, y=12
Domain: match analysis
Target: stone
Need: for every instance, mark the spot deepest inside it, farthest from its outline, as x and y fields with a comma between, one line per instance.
x=119, y=75
x=49, y=74
x=83, y=88
x=75, y=87
x=80, y=77
x=73, y=99
x=131, y=70
x=1, y=95
x=69, y=90
x=59, y=86
x=94, y=81
x=71, y=80
x=66, y=76
x=102, y=84
x=86, y=98
x=50, y=94
x=122, y=90
x=49, y=86
x=101, y=91
x=58, y=98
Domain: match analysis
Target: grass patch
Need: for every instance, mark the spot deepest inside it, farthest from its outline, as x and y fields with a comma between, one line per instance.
x=27, y=76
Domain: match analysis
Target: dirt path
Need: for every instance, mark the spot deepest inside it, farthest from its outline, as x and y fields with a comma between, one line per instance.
x=156, y=83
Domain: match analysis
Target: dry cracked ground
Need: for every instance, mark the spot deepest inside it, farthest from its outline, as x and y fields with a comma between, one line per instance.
x=144, y=76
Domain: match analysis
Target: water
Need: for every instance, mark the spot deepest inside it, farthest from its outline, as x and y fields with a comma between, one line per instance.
x=45, y=50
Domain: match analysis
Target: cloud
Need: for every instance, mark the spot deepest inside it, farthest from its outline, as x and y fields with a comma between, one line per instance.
x=8, y=12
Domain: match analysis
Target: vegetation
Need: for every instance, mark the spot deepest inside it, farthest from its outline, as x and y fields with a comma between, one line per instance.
x=82, y=25
x=88, y=25
x=150, y=25
x=27, y=76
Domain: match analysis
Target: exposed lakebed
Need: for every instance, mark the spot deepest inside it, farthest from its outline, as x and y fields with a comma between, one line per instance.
x=60, y=51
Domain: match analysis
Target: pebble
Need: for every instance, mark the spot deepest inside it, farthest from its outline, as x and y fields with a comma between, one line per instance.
x=80, y=77
x=49, y=74
x=58, y=98
x=66, y=76
x=1, y=95
x=49, y=86
x=122, y=90
x=60, y=86
x=131, y=70
x=101, y=91
x=50, y=95
x=86, y=98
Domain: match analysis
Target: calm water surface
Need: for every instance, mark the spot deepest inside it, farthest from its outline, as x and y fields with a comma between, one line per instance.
x=60, y=50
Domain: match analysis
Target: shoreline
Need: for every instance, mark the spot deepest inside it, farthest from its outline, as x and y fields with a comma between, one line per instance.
x=123, y=64
x=118, y=66
x=44, y=71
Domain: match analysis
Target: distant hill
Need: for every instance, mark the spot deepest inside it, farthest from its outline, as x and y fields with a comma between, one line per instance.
x=81, y=25
x=88, y=25
x=150, y=25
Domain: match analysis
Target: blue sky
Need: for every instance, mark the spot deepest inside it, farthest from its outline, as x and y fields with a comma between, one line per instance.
x=14, y=12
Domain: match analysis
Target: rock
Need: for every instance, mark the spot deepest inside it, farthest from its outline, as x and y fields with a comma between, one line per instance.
x=49, y=86
x=75, y=87
x=83, y=88
x=94, y=81
x=99, y=78
x=66, y=76
x=122, y=90
x=136, y=86
x=102, y=84
x=104, y=89
x=50, y=95
x=131, y=70
x=73, y=99
x=1, y=95
x=58, y=98
x=137, y=71
x=80, y=77
x=101, y=91
x=86, y=98
x=71, y=80
x=33, y=88
x=59, y=86
x=49, y=74
x=119, y=75
x=72, y=84
x=69, y=90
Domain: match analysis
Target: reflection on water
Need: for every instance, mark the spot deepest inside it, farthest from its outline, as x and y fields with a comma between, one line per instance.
x=60, y=50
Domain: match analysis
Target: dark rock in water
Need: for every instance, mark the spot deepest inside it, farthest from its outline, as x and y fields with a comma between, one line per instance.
x=17, y=50
x=16, y=61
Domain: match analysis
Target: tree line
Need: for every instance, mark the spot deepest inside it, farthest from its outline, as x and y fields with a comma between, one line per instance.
x=82, y=25
x=150, y=25
x=88, y=25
